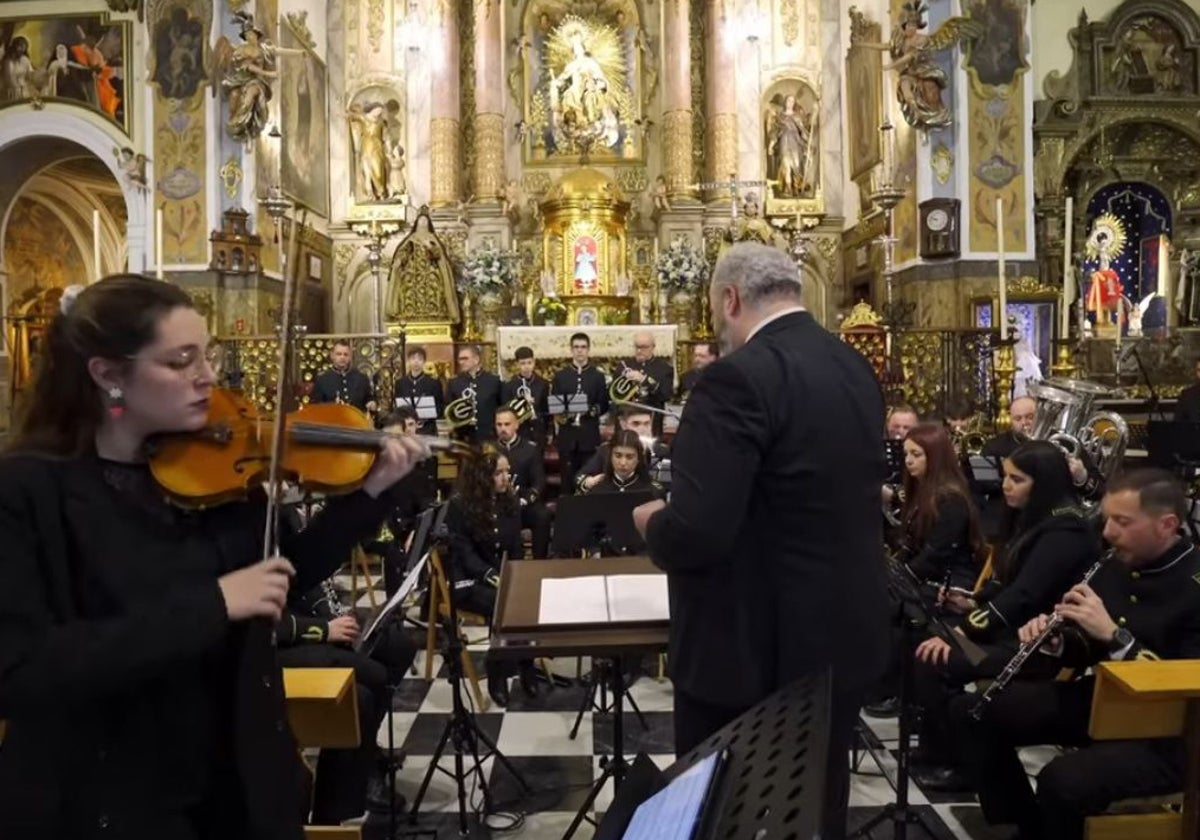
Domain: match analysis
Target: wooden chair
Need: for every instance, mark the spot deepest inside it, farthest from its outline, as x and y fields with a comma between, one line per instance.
x=322, y=709
x=439, y=608
x=1150, y=699
x=359, y=563
x=985, y=574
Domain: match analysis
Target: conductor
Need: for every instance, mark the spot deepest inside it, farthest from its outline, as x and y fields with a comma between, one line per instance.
x=772, y=541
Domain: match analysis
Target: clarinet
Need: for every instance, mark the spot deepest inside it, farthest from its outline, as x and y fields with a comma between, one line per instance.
x=1026, y=650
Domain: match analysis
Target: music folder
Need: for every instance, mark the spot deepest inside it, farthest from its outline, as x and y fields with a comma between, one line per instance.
x=423, y=405
x=568, y=403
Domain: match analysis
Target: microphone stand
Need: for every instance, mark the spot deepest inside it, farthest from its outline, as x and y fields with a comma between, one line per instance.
x=1155, y=402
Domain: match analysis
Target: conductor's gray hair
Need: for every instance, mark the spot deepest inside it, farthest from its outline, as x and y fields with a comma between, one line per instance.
x=760, y=273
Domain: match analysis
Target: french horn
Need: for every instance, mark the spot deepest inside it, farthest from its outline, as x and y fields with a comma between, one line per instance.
x=522, y=404
x=461, y=411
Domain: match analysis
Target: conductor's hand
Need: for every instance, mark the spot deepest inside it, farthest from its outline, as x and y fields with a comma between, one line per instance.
x=642, y=514
x=934, y=651
x=396, y=459
x=258, y=591
x=1033, y=628
x=343, y=629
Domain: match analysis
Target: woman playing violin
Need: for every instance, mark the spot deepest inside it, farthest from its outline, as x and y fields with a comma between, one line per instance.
x=137, y=671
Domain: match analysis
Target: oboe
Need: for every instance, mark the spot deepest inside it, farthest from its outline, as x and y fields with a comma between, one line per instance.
x=1028, y=649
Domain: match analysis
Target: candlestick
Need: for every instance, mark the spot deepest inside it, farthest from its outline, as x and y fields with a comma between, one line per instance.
x=158, y=243
x=1005, y=369
x=1068, y=293
x=1164, y=278
x=96, y=243
x=1001, y=270
x=888, y=152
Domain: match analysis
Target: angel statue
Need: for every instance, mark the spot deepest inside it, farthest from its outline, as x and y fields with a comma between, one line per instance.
x=368, y=131
x=133, y=166
x=921, y=81
x=788, y=136
x=246, y=73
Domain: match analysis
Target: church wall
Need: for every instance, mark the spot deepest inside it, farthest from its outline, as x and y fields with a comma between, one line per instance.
x=1050, y=23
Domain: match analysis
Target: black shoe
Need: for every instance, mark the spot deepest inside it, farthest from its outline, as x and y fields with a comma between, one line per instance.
x=378, y=801
x=888, y=708
x=941, y=780
x=528, y=678
x=498, y=691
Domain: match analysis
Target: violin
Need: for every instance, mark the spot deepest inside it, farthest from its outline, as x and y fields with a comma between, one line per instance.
x=326, y=448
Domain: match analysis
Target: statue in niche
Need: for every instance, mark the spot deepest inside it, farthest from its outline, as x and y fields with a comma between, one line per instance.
x=1167, y=78
x=378, y=158
x=658, y=195
x=397, y=185
x=789, y=133
x=920, y=81
x=421, y=282
x=1105, y=292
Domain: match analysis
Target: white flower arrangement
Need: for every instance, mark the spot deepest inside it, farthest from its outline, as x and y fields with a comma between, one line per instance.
x=487, y=271
x=681, y=268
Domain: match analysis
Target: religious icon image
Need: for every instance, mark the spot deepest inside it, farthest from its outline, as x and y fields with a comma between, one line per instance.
x=179, y=54
x=996, y=53
x=585, y=277
x=1105, y=293
x=790, y=129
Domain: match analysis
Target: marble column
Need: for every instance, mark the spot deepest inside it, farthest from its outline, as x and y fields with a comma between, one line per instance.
x=720, y=87
x=444, y=152
x=489, y=101
x=677, y=97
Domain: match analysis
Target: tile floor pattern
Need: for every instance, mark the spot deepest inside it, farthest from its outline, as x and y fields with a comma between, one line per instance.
x=533, y=734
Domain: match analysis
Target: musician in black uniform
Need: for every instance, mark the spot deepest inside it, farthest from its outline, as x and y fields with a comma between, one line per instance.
x=703, y=355
x=528, y=385
x=1187, y=409
x=481, y=388
x=528, y=473
x=342, y=382
x=418, y=383
x=1023, y=412
x=627, y=469
x=640, y=422
x=579, y=434
x=1144, y=604
x=654, y=375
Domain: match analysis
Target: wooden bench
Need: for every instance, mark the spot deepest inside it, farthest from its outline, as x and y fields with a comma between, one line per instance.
x=1150, y=699
x=322, y=709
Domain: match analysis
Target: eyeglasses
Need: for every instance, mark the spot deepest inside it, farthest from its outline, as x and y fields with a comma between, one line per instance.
x=190, y=359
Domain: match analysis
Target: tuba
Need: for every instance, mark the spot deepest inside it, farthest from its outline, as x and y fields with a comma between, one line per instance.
x=1065, y=418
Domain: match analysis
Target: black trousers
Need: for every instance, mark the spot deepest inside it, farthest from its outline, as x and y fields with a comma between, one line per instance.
x=1079, y=783
x=936, y=686
x=538, y=518
x=340, y=790
x=696, y=720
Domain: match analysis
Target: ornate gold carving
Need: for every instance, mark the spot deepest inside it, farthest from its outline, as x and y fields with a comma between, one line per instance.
x=298, y=21
x=862, y=315
x=489, y=156
x=677, y=151
x=444, y=161
x=633, y=179
x=941, y=161
x=231, y=176
x=791, y=21
x=697, y=40
x=536, y=183
x=375, y=16
x=343, y=255
x=722, y=161
x=828, y=247
x=422, y=278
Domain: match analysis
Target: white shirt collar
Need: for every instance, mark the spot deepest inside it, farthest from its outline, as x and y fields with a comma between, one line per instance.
x=775, y=317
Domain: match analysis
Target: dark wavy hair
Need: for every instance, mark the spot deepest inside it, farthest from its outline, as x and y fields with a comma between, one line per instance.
x=943, y=477
x=113, y=318
x=631, y=440
x=476, y=492
x=1053, y=490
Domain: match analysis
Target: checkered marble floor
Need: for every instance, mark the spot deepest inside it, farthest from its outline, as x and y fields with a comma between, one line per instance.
x=534, y=735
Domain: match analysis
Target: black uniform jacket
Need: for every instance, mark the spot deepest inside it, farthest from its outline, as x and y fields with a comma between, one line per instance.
x=539, y=389
x=476, y=557
x=410, y=388
x=589, y=381
x=350, y=386
x=127, y=691
x=947, y=546
x=772, y=541
x=487, y=400
x=527, y=467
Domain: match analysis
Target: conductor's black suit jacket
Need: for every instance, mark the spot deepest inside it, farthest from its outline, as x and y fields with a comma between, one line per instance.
x=772, y=541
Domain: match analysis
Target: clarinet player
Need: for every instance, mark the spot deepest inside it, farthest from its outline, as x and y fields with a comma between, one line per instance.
x=1145, y=604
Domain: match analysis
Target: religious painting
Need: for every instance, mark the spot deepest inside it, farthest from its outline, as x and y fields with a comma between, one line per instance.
x=864, y=79
x=584, y=256
x=1148, y=57
x=585, y=260
x=178, y=54
x=584, y=80
x=377, y=146
x=78, y=59
x=304, y=151
x=791, y=147
x=996, y=49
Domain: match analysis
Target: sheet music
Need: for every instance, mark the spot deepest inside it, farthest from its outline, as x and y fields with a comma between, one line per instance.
x=577, y=600
x=425, y=407
x=637, y=598
x=409, y=583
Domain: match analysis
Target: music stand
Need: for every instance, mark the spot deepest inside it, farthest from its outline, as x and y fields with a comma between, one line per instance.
x=601, y=523
x=1176, y=447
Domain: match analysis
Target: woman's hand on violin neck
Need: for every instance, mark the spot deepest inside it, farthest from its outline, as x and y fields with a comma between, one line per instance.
x=398, y=455
x=258, y=591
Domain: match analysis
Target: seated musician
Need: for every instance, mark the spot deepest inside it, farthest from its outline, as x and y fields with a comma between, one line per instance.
x=627, y=469
x=633, y=419
x=527, y=471
x=1023, y=412
x=1144, y=604
x=1048, y=544
x=484, y=524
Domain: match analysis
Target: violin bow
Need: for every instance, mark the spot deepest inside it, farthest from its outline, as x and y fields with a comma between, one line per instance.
x=274, y=479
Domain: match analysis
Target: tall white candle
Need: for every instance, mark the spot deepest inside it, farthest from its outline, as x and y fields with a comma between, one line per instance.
x=1003, y=314
x=1068, y=276
x=1164, y=278
x=158, y=243
x=96, y=243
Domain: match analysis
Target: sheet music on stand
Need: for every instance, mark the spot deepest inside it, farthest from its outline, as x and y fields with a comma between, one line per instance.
x=423, y=405
x=907, y=588
x=568, y=403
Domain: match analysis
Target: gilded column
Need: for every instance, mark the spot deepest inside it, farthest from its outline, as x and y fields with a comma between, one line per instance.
x=720, y=100
x=489, y=102
x=444, y=152
x=677, y=97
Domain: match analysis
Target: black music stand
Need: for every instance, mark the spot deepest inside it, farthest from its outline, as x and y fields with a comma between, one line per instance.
x=600, y=524
x=915, y=613
x=1176, y=447
x=774, y=785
